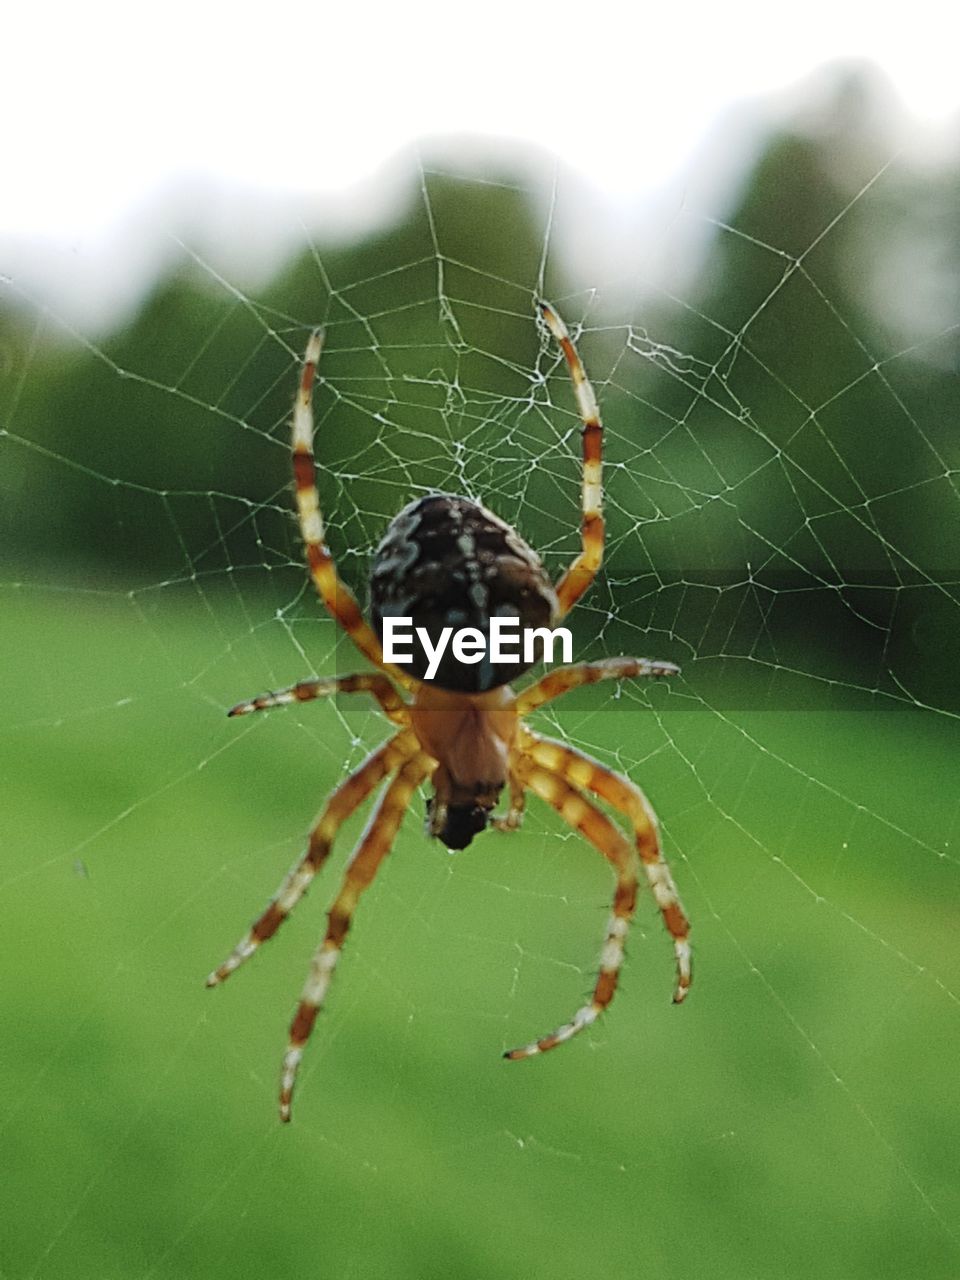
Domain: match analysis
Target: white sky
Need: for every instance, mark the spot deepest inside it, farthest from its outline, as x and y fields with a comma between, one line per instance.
x=106, y=105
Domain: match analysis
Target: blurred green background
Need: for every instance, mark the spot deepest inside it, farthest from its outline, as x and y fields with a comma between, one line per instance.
x=783, y=521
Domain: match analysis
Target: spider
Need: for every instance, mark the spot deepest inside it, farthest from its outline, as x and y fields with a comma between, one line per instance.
x=448, y=559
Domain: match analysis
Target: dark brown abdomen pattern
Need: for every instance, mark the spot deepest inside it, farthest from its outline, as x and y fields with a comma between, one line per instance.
x=446, y=561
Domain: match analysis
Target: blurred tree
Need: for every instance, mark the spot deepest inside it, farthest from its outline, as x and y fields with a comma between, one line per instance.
x=773, y=423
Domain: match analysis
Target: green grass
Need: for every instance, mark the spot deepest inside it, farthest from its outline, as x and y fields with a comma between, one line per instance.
x=797, y=1118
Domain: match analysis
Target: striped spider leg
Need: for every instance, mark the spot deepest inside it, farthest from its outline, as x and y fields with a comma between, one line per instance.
x=363, y=866
x=391, y=704
x=582, y=572
x=618, y=791
x=348, y=796
x=333, y=591
x=560, y=774
x=595, y=826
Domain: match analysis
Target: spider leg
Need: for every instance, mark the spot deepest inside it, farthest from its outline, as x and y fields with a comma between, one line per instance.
x=628, y=799
x=563, y=679
x=585, y=817
x=392, y=705
x=511, y=820
x=347, y=797
x=335, y=594
x=370, y=852
x=584, y=568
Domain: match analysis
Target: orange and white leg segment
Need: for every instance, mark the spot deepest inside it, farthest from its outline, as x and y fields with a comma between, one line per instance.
x=563, y=679
x=392, y=705
x=334, y=593
x=370, y=852
x=348, y=796
x=513, y=818
x=583, y=771
x=582, y=572
x=585, y=817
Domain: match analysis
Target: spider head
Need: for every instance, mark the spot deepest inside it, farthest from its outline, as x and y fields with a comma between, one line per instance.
x=456, y=824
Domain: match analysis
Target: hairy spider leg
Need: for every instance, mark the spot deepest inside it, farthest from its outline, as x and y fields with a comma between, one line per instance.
x=626, y=797
x=585, y=817
x=513, y=818
x=370, y=852
x=392, y=705
x=333, y=591
x=562, y=679
x=584, y=568
x=348, y=796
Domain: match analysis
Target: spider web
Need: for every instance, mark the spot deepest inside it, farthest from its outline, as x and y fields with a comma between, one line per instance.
x=782, y=501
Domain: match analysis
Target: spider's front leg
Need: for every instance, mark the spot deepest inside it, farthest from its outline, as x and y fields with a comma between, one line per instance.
x=512, y=819
x=370, y=852
x=627, y=798
x=585, y=817
x=348, y=796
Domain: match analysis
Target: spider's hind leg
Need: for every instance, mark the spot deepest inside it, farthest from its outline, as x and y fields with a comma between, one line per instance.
x=333, y=591
x=583, y=570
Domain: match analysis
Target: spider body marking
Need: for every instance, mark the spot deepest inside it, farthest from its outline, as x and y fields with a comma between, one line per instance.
x=447, y=561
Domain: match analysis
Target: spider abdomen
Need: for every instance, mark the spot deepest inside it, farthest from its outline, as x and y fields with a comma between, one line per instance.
x=446, y=561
